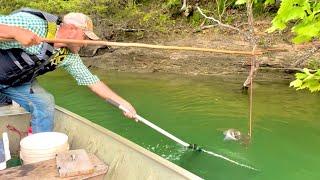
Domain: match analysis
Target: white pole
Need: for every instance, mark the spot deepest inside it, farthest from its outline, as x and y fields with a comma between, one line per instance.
x=153, y=126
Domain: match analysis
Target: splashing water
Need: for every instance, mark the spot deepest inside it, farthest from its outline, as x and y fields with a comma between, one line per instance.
x=230, y=160
x=174, y=152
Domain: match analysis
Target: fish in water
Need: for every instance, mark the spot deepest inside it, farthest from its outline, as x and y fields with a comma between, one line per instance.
x=232, y=134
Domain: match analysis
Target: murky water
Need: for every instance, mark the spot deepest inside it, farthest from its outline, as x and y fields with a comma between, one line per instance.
x=286, y=128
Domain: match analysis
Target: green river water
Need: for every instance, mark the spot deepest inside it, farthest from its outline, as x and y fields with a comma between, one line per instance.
x=286, y=129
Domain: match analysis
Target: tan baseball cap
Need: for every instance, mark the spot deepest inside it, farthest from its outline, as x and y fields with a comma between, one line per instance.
x=82, y=21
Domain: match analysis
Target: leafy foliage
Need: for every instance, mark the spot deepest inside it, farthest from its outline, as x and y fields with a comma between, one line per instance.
x=304, y=13
x=56, y=6
x=306, y=16
x=222, y=6
x=239, y=2
x=260, y=7
x=269, y=2
x=96, y=7
x=170, y=4
x=307, y=80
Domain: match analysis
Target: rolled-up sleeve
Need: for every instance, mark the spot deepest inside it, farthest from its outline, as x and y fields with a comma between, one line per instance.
x=26, y=21
x=74, y=66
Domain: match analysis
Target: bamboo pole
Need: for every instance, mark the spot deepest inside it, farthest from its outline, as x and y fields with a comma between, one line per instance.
x=141, y=45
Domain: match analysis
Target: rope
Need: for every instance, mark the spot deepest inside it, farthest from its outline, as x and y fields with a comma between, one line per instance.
x=253, y=42
x=251, y=91
x=15, y=130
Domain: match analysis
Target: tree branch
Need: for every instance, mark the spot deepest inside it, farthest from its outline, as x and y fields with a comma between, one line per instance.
x=184, y=5
x=219, y=22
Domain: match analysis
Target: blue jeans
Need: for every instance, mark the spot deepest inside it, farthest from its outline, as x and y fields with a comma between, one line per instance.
x=35, y=100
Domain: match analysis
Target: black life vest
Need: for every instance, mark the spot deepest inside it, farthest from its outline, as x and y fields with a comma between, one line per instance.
x=18, y=67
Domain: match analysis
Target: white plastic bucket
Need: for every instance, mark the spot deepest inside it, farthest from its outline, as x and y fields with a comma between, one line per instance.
x=42, y=146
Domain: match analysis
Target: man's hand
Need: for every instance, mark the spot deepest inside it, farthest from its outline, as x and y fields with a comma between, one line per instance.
x=24, y=36
x=27, y=38
x=131, y=113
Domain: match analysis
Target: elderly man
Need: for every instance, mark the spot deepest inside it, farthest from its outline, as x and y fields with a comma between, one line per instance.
x=22, y=60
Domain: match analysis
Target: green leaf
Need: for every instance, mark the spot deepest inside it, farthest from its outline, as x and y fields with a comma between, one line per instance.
x=301, y=39
x=292, y=10
x=316, y=7
x=240, y=2
x=313, y=85
x=307, y=80
x=303, y=86
x=296, y=83
x=279, y=24
x=269, y=2
x=301, y=76
x=306, y=31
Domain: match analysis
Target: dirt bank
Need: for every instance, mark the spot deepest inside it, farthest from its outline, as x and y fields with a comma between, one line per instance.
x=189, y=62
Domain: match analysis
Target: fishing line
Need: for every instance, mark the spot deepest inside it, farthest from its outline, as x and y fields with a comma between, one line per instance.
x=195, y=147
x=251, y=91
x=230, y=160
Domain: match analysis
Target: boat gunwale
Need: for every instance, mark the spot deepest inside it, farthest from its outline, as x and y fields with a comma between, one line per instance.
x=131, y=145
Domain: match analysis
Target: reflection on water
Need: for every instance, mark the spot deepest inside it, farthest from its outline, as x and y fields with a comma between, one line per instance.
x=286, y=127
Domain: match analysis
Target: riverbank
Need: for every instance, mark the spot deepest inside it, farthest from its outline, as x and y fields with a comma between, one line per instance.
x=142, y=60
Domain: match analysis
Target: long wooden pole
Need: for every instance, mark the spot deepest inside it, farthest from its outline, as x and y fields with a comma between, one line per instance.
x=141, y=45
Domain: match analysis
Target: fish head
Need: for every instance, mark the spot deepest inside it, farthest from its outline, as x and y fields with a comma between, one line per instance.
x=232, y=134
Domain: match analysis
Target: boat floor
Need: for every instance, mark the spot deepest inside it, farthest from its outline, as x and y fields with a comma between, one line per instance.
x=48, y=170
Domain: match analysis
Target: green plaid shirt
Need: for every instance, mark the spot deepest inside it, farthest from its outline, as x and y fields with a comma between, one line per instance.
x=72, y=63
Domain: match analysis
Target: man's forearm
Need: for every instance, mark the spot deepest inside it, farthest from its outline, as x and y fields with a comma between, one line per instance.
x=8, y=31
x=24, y=36
x=105, y=92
